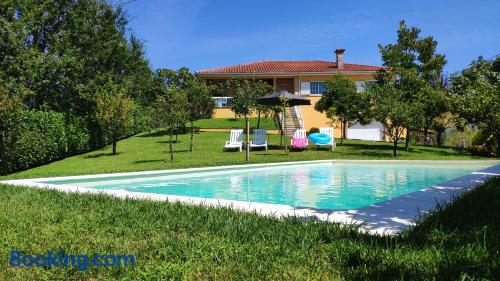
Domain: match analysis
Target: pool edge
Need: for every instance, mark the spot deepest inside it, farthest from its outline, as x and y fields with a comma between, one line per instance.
x=388, y=217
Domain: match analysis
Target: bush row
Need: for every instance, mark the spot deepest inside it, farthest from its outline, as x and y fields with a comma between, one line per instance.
x=36, y=137
x=40, y=137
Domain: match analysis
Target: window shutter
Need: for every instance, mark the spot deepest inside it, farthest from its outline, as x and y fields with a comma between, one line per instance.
x=305, y=88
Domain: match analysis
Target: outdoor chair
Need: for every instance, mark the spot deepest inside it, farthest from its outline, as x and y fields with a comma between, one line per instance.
x=327, y=131
x=299, y=139
x=259, y=138
x=235, y=140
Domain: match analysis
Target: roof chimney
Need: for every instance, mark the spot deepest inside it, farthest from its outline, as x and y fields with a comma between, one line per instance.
x=339, y=53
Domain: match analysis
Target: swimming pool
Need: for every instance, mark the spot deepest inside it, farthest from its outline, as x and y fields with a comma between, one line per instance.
x=334, y=185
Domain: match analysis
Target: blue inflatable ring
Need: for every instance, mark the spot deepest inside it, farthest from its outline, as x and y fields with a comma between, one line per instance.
x=319, y=138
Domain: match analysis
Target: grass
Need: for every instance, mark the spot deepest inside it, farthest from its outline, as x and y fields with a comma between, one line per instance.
x=229, y=123
x=150, y=152
x=173, y=241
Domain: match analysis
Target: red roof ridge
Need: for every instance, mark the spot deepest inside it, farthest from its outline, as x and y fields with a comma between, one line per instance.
x=254, y=62
x=289, y=66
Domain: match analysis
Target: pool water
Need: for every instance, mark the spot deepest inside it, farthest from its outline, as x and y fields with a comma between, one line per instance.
x=328, y=185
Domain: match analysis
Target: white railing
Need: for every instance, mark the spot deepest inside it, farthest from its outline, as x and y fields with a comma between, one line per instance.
x=299, y=116
x=221, y=102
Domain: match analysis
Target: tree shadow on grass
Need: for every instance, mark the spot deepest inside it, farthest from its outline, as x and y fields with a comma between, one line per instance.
x=380, y=154
x=102, y=154
x=175, y=151
x=381, y=146
x=437, y=150
x=149, y=161
x=173, y=141
x=155, y=134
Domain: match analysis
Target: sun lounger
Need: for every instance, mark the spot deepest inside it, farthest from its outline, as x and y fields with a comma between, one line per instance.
x=327, y=131
x=299, y=139
x=259, y=138
x=235, y=140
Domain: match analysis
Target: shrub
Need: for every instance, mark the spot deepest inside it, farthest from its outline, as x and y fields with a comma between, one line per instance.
x=481, y=150
x=313, y=130
x=454, y=137
x=141, y=121
x=77, y=134
x=39, y=138
x=483, y=137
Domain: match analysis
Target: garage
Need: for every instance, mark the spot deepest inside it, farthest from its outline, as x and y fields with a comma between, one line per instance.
x=373, y=131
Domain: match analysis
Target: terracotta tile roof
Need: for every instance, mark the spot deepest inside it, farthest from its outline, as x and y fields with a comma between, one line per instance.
x=288, y=67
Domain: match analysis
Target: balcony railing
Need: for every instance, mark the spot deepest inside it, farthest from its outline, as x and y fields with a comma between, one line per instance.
x=221, y=102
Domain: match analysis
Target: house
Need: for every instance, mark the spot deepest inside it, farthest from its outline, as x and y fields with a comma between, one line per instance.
x=305, y=78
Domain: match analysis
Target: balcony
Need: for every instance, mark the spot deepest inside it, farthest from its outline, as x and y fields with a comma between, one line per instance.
x=222, y=102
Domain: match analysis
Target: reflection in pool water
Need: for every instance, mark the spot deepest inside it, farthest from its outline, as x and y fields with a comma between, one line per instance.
x=324, y=185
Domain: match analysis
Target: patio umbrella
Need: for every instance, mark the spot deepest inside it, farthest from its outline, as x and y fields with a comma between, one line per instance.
x=283, y=98
x=279, y=97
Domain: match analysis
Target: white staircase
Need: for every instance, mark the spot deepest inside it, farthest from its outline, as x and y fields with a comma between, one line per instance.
x=293, y=120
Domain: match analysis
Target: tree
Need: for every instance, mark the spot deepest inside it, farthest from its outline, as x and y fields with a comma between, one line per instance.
x=413, y=61
x=114, y=111
x=245, y=100
x=434, y=105
x=57, y=50
x=200, y=105
x=169, y=111
x=343, y=101
x=390, y=106
x=475, y=92
x=440, y=124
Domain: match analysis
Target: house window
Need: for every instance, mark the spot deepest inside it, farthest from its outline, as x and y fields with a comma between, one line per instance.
x=361, y=85
x=221, y=102
x=317, y=88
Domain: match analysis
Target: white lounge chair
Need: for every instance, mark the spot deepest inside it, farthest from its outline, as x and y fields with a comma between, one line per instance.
x=259, y=138
x=235, y=140
x=328, y=131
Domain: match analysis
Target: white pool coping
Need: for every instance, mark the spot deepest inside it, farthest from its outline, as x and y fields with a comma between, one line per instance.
x=385, y=218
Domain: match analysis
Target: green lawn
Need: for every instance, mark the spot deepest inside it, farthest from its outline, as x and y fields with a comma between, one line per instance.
x=189, y=242
x=229, y=123
x=174, y=241
x=150, y=152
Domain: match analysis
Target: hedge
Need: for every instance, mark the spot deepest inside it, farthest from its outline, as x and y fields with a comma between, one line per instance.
x=37, y=138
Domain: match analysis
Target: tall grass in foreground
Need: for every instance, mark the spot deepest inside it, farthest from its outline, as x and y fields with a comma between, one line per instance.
x=174, y=241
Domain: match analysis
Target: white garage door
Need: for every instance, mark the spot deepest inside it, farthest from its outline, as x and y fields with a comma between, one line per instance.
x=373, y=131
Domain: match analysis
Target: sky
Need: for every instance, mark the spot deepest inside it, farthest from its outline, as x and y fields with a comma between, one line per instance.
x=203, y=34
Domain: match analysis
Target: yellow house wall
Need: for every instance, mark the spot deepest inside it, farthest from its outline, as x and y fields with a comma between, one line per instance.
x=226, y=112
x=311, y=117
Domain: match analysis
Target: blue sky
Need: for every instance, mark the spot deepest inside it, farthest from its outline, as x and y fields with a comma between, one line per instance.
x=212, y=33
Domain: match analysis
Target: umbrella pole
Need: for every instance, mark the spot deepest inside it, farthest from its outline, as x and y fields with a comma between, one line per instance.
x=284, y=129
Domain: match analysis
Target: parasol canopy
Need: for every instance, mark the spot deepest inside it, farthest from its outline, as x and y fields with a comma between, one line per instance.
x=279, y=97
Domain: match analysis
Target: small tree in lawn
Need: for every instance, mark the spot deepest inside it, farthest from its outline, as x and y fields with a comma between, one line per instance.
x=391, y=108
x=200, y=105
x=416, y=65
x=169, y=111
x=341, y=101
x=434, y=104
x=475, y=93
x=243, y=104
x=440, y=124
x=245, y=100
x=114, y=111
